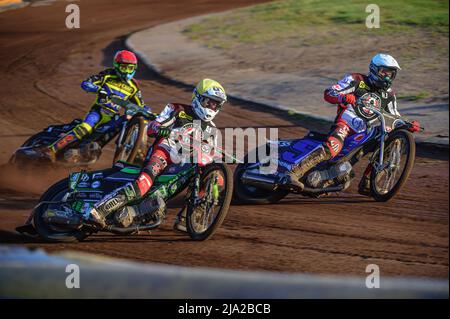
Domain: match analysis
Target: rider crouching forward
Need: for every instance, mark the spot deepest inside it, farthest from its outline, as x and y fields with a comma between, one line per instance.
x=207, y=100
x=382, y=71
x=118, y=81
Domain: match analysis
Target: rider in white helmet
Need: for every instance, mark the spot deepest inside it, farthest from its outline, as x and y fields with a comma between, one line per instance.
x=382, y=72
x=207, y=101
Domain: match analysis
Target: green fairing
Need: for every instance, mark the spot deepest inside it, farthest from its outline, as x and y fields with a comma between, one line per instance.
x=165, y=178
x=165, y=185
x=166, y=188
x=129, y=170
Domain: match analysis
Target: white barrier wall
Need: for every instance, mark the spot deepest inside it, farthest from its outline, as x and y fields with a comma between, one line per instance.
x=35, y=274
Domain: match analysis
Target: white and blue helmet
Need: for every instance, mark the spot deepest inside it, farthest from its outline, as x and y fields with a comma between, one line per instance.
x=380, y=64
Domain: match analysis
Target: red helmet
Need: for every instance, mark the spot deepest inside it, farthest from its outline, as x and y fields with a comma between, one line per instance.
x=125, y=63
x=125, y=56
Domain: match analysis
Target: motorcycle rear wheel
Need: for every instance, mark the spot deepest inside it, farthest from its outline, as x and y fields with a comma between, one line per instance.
x=33, y=141
x=246, y=194
x=48, y=232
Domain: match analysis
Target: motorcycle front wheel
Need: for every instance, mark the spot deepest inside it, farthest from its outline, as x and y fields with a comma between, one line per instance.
x=216, y=190
x=132, y=147
x=399, y=154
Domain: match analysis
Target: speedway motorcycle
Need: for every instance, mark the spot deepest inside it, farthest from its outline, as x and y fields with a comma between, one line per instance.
x=60, y=213
x=130, y=144
x=387, y=142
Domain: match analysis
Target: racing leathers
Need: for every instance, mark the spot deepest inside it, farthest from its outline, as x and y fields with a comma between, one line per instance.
x=166, y=150
x=345, y=93
x=104, y=84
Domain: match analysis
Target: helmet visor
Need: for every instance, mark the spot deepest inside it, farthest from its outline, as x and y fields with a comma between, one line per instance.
x=127, y=68
x=386, y=73
x=212, y=104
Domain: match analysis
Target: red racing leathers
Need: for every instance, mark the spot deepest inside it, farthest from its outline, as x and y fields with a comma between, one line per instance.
x=344, y=93
x=175, y=118
x=165, y=150
x=347, y=122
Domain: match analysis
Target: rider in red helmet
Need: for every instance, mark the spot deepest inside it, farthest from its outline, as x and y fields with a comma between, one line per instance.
x=118, y=81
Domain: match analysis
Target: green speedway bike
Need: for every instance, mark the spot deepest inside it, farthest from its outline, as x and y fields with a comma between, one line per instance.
x=59, y=215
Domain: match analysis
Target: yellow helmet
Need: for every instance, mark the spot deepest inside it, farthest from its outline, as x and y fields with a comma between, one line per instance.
x=208, y=98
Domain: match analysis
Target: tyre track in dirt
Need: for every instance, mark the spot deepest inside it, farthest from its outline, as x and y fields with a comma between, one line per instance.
x=338, y=234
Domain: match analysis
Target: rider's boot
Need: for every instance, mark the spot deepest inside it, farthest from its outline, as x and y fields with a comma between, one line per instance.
x=111, y=203
x=73, y=136
x=311, y=160
x=180, y=221
x=364, y=184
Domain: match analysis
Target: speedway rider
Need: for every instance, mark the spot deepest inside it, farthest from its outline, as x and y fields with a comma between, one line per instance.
x=208, y=98
x=345, y=93
x=118, y=81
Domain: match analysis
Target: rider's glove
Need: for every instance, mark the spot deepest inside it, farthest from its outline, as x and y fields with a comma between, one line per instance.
x=414, y=127
x=346, y=99
x=155, y=128
x=131, y=110
x=102, y=95
x=148, y=112
x=163, y=132
x=88, y=86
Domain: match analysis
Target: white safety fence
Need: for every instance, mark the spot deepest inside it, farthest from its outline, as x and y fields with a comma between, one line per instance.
x=35, y=274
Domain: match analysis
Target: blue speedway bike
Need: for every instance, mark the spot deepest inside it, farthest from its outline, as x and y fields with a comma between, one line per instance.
x=387, y=142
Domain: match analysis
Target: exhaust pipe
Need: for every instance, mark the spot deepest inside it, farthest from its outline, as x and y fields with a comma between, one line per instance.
x=62, y=218
x=260, y=181
x=133, y=229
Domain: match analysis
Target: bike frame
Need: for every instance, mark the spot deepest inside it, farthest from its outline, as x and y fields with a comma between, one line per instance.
x=380, y=165
x=125, y=123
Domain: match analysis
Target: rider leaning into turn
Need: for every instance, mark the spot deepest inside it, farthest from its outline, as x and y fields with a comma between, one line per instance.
x=345, y=93
x=207, y=100
x=118, y=81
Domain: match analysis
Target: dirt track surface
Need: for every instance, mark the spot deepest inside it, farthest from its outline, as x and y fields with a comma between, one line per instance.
x=42, y=64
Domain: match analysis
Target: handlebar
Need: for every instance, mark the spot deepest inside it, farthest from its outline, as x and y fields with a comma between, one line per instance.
x=218, y=153
x=131, y=108
x=381, y=115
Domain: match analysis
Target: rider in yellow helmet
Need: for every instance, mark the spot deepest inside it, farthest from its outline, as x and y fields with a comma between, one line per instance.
x=207, y=100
